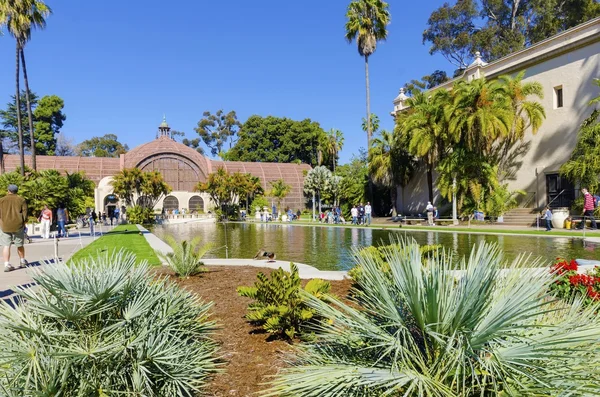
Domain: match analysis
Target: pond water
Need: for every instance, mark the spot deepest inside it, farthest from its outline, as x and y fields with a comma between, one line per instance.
x=330, y=248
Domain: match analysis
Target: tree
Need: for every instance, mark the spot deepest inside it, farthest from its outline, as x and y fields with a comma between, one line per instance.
x=355, y=180
x=583, y=168
x=226, y=189
x=48, y=119
x=390, y=164
x=217, y=130
x=317, y=181
x=278, y=140
x=64, y=146
x=21, y=17
x=333, y=145
x=427, y=82
x=334, y=189
x=366, y=24
x=144, y=189
x=104, y=146
x=279, y=191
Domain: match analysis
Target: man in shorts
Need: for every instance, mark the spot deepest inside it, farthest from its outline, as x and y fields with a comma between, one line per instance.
x=13, y=216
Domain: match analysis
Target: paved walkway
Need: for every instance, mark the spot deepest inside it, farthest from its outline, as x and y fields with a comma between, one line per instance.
x=37, y=253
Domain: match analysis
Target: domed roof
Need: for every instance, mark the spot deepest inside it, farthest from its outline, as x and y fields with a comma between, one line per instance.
x=165, y=145
x=164, y=123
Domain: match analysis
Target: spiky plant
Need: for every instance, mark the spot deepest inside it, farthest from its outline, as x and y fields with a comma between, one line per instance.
x=449, y=329
x=186, y=258
x=101, y=327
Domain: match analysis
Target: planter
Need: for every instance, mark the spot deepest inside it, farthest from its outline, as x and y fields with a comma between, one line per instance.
x=559, y=216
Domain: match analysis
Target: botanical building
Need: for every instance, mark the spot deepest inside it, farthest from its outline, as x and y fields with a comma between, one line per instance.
x=182, y=168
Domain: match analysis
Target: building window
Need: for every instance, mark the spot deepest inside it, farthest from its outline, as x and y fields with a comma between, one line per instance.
x=558, y=97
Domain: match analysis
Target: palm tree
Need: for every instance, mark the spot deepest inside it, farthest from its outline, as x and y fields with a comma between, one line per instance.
x=279, y=190
x=442, y=327
x=424, y=130
x=333, y=144
x=366, y=23
x=21, y=16
x=390, y=164
x=316, y=182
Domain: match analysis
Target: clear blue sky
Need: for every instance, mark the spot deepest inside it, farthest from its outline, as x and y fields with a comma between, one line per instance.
x=119, y=65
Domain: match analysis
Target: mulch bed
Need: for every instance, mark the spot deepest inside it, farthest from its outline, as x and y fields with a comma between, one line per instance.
x=251, y=357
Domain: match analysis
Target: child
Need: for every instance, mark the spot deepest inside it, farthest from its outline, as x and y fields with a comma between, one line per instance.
x=548, y=217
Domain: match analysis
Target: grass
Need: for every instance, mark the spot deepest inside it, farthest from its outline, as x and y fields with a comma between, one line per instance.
x=475, y=229
x=125, y=237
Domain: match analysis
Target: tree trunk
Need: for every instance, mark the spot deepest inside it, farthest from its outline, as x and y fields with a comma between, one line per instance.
x=320, y=203
x=394, y=198
x=19, y=122
x=369, y=132
x=29, y=113
x=1, y=156
x=430, y=181
x=314, y=204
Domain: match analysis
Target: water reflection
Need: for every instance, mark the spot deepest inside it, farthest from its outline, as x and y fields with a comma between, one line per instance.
x=331, y=248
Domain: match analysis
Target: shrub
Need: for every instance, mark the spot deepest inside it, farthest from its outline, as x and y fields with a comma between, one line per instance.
x=141, y=215
x=186, y=258
x=432, y=331
x=278, y=305
x=259, y=201
x=103, y=327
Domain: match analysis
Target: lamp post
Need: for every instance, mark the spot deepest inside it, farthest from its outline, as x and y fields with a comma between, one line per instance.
x=454, y=211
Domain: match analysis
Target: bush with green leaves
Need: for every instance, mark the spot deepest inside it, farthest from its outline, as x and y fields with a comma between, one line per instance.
x=104, y=327
x=140, y=215
x=279, y=307
x=259, y=201
x=474, y=327
x=186, y=258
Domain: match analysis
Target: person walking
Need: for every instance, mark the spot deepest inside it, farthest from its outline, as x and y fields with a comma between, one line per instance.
x=588, y=209
x=354, y=214
x=45, y=219
x=62, y=217
x=429, y=210
x=13, y=216
x=361, y=214
x=548, y=217
x=368, y=210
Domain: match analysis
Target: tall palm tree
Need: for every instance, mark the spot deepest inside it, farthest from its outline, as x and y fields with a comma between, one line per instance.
x=424, y=129
x=366, y=23
x=333, y=144
x=279, y=190
x=20, y=17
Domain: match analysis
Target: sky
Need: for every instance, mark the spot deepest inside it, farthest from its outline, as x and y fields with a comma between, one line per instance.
x=121, y=65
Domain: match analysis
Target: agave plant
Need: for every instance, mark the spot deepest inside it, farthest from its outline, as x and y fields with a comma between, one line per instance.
x=103, y=327
x=186, y=258
x=469, y=328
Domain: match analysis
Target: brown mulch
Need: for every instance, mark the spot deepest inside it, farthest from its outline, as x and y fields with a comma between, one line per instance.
x=250, y=355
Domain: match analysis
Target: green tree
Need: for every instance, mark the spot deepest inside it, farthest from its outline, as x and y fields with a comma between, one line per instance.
x=583, y=168
x=427, y=82
x=355, y=180
x=279, y=191
x=135, y=186
x=334, y=141
x=390, y=164
x=217, y=130
x=127, y=183
x=20, y=18
x=317, y=181
x=366, y=23
x=278, y=140
x=226, y=189
x=103, y=146
x=48, y=119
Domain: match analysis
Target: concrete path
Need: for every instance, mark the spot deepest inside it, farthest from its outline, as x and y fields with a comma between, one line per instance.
x=305, y=271
x=37, y=253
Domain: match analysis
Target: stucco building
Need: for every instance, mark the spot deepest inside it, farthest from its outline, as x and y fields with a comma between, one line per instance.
x=565, y=65
x=181, y=167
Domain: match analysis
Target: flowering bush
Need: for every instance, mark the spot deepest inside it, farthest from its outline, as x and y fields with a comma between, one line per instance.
x=570, y=283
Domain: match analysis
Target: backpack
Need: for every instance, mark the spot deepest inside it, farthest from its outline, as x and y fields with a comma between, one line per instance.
x=596, y=201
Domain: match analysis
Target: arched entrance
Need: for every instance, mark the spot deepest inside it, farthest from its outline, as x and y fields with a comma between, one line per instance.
x=196, y=204
x=111, y=202
x=171, y=203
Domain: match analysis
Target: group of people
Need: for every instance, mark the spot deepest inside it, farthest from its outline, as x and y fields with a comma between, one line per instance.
x=333, y=216
x=46, y=218
x=361, y=215
x=590, y=203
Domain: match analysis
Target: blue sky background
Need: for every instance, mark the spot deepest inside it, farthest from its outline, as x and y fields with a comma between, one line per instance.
x=119, y=65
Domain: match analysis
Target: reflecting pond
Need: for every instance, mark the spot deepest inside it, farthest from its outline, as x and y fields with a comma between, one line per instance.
x=330, y=248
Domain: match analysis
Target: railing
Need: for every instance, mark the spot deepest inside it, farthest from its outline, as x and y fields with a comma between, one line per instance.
x=528, y=200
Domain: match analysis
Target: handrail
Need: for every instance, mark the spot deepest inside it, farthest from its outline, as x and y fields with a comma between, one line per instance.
x=557, y=196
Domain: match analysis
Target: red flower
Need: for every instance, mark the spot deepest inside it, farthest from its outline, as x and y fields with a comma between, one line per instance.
x=561, y=266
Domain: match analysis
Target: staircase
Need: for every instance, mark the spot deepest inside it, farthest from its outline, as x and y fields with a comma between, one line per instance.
x=520, y=217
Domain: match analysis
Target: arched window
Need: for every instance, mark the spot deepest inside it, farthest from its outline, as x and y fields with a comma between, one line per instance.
x=171, y=203
x=196, y=204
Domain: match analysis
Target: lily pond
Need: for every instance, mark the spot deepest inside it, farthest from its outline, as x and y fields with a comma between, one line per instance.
x=330, y=248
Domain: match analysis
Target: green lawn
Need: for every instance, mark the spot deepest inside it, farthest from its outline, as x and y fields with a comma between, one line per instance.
x=121, y=237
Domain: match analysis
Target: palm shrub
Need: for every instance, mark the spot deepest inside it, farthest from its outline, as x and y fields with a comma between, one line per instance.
x=186, y=258
x=104, y=326
x=140, y=215
x=466, y=328
x=278, y=305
